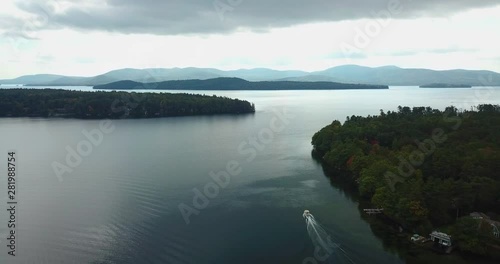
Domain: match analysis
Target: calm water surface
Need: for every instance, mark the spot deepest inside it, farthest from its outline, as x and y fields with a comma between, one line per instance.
x=121, y=204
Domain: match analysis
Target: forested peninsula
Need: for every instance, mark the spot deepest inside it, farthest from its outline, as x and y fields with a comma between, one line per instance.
x=428, y=169
x=100, y=104
x=233, y=84
x=445, y=85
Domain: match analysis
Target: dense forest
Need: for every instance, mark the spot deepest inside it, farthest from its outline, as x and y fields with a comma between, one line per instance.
x=426, y=168
x=95, y=105
x=233, y=84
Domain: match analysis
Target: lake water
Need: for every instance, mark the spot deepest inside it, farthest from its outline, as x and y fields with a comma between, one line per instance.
x=121, y=203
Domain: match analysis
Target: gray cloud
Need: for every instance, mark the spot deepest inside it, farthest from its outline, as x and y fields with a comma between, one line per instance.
x=171, y=17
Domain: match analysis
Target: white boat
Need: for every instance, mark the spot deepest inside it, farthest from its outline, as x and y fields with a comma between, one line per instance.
x=306, y=213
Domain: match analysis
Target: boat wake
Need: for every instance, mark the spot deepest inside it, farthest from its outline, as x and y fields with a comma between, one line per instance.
x=325, y=248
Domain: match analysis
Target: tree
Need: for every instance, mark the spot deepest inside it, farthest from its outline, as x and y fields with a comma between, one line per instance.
x=465, y=234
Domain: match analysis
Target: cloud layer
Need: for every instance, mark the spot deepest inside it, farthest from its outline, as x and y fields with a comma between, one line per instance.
x=174, y=17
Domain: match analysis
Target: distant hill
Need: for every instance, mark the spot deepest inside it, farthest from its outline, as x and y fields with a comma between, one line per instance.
x=225, y=83
x=387, y=75
x=392, y=75
x=262, y=74
x=42, y=78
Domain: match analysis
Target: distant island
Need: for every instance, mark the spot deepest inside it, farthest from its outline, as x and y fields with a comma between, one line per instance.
x=233, y=84
x=99, y=104
x=445, y=85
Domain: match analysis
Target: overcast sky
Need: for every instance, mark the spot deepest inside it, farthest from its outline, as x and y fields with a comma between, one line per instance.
x=90, y=37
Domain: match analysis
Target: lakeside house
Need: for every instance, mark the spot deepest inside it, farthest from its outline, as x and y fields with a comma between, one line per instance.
x=442, y=241
x=483, y=217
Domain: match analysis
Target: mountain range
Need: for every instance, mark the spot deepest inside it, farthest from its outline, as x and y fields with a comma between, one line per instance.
x=386, y=75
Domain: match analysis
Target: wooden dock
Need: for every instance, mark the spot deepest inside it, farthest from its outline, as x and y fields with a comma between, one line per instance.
x=373, y=211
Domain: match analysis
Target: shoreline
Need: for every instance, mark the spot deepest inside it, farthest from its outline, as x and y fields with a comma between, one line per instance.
x=392, y=233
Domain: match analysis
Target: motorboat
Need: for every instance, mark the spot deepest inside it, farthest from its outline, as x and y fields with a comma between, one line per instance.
x=306, y=213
